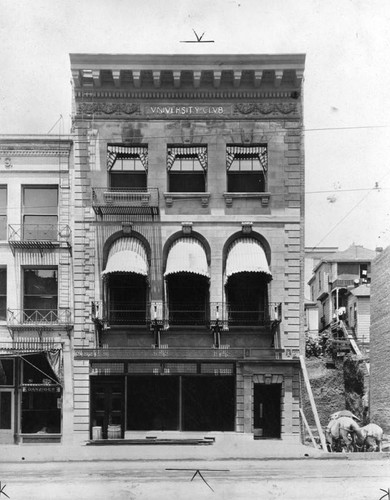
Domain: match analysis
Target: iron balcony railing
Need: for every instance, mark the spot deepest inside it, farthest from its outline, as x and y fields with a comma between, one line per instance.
x=125, y=200
x=179, y=353
x=30, y=233
x=41, y=317
x=187, y=315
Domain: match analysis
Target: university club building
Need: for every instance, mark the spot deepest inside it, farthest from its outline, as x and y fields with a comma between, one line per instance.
x=174, y=301
x=188, y=244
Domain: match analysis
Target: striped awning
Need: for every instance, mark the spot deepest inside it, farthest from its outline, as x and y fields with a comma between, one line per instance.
x=113, y=152
x=199, y=152
x=187, y=255
x=127, y=255
x=259, y=152
x=246, y=255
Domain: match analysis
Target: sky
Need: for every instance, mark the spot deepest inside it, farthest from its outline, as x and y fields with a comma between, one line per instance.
x=346, y=82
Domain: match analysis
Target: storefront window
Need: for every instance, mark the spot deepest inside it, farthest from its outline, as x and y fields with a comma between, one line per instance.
x=39, y=412
x=5, y=410
x=41, y=397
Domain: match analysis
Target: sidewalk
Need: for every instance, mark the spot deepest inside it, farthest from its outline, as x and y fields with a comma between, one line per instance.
x=229, y=447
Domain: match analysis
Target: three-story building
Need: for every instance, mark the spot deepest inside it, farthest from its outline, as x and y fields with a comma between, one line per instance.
x=188, y=195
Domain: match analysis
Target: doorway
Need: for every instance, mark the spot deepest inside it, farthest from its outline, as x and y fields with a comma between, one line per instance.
x=6, y=416
x=267, y=410
x=107, y=403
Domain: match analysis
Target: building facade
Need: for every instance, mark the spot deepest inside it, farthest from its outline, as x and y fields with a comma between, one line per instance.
x=188, y=244
x=36, y=397
x=340, y=283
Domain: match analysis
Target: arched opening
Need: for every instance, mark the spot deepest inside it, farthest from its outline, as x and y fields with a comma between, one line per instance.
x=246, y=283
x=126, y=283
x=187, y=283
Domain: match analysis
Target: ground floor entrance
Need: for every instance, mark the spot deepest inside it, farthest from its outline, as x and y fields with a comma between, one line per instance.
x=131, y=398
x=163, y=403
x=31, y=397
x=267, y=410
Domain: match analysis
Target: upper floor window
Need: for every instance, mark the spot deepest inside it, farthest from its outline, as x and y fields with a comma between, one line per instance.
x=40, y=212
x=187, y=169
x=127, y=166
x=3, y=294
x=246, y=168
x=3, y=213
x=40, y=300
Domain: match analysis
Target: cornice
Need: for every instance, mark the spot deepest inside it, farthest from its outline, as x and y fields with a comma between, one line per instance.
x=115, y=94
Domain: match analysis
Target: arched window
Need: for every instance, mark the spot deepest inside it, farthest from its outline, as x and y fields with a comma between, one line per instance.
x=187, y=283
x=126, y=277
x=246, y=283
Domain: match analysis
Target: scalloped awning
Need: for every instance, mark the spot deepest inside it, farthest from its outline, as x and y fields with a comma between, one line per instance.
x=127, y=255
x=187, y=255
x=246, y=255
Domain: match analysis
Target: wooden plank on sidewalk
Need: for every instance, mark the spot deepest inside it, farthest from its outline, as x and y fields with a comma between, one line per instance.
x=313, y=404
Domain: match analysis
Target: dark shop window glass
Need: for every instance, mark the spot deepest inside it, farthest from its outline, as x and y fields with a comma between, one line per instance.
x=5, y=410
x=41, y=413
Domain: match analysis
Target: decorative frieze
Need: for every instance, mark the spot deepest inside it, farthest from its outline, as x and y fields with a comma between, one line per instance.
x=30, y=152
x=108, y=108
x=265, y=108
x=201, y=109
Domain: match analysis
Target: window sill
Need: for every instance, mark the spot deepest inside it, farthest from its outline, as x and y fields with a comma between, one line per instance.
x=171, y=197
x=263, y=197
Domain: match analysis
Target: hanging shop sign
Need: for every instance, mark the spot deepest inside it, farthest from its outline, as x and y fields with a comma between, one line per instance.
x=40, y=388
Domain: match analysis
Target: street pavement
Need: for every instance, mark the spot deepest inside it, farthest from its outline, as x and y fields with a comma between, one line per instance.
x=291, y=479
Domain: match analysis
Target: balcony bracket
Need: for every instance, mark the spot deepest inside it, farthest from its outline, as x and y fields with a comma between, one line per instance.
x=216, y=329
x=156, y=326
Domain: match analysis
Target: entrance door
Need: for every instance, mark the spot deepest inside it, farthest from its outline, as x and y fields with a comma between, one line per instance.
x=107, y=403
x=267, y=402
x=6, y=416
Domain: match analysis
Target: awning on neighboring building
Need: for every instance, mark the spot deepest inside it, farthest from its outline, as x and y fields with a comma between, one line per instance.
x=127, y=255
x=187, y=255
x=246, y=255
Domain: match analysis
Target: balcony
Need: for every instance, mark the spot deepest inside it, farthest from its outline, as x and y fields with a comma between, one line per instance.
x=38, y=320
x=138, y=201
x=179, y=353
x=40, y=236
x=189, y=315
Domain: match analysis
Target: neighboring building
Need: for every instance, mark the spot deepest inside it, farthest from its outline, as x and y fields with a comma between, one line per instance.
x=358, y=312
x=341, y=286
x=311, y=318
x=313, y=256
x=379, y=393
x=188, y=244
x=35, y=289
